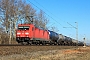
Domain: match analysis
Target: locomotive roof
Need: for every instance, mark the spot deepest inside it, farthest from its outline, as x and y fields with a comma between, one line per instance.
x=24, y=24
x=33, y=25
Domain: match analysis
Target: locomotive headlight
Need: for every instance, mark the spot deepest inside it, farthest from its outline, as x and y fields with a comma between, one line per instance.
x=18, y=33
x=27, y=33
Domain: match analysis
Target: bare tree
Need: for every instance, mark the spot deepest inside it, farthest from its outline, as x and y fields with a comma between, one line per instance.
x=41, y=19
x=54, y=29
x=12, y=12
x=29, y=13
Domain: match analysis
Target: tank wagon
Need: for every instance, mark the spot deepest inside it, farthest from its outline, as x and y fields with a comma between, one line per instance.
x=81, y=43
x=30, y=34
x=61, y=40
x=74, y=42
x=67, y=40
x=53, y=36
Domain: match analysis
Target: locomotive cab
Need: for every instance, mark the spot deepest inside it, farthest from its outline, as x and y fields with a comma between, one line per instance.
x=24, y=32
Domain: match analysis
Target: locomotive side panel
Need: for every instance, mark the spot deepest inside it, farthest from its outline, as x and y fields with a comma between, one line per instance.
x=37, y=33
x=46, y=35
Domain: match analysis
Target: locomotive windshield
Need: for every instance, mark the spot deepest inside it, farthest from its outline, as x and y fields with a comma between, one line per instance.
x=23, y=27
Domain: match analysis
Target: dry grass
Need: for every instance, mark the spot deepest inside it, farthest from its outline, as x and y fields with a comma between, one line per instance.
x=63, y=54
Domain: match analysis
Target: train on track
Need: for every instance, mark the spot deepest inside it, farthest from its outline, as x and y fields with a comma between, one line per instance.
x=30, y=34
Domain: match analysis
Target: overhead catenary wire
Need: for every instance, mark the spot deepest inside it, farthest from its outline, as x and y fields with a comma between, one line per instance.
x=49, y=11
x=46, y=13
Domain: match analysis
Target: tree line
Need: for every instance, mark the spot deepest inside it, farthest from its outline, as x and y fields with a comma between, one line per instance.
x=14, y=12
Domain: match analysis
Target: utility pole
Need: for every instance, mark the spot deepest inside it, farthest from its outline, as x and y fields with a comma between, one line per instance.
x=77, y=33
x=84, y=42
x=10, y=33
x=0, y=39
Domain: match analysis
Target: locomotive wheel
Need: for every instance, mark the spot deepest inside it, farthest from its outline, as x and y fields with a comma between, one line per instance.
x=50, y=43
x=43, y=44
x=30, y=43
x=24, y=43
x=59, y=44
x=55, y=43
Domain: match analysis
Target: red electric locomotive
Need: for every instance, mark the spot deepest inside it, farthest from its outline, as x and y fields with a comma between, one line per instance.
x=28, y=33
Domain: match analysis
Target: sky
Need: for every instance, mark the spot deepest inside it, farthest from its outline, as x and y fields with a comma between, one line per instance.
x=62, y=12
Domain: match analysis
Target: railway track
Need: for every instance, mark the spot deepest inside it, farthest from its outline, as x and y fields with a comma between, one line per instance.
x=28, y=45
